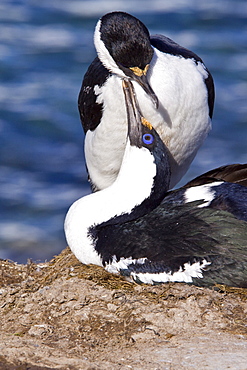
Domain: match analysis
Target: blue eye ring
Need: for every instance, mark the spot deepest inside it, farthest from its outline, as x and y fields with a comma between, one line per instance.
x=147, y=139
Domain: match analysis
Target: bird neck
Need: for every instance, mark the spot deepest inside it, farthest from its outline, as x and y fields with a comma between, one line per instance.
x=144, y=180
x=136, y=191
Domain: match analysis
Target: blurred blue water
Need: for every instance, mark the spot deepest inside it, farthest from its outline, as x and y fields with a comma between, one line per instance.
x=45, y=50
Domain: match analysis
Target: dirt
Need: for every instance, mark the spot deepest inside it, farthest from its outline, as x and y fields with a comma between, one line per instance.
x=65, y=315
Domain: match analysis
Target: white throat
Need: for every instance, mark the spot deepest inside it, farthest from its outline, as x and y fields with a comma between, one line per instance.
x=104, y=54
x=132, y=186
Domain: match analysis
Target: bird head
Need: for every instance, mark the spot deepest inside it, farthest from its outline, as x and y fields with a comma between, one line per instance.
x=123, y=46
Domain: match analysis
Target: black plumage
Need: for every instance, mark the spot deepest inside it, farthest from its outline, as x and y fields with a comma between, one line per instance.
x=235, y=173
x=172, y=235
x=90, y=111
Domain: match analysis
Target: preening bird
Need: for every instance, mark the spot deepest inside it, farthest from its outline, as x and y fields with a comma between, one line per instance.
x=174, y=89
x=139, y=229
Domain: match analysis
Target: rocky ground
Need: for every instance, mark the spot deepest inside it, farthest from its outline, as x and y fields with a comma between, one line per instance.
x=64, y=315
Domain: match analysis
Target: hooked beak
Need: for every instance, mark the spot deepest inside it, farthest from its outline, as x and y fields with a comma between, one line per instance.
x=139, y=75
x=134, y=116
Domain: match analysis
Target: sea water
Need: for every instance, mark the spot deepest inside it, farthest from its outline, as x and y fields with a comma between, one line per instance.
x=45, y=49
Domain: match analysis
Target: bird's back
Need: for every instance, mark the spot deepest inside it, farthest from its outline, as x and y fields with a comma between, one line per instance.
x=173, y=235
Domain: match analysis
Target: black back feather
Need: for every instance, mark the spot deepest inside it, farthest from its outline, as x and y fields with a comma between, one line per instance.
x=90, y=111
x=234, y=173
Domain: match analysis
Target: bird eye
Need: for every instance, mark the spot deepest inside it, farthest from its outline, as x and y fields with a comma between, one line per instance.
x=147, y=138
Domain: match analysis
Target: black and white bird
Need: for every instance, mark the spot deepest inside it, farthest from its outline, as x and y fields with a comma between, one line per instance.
x=138, y=229
x=174, y=89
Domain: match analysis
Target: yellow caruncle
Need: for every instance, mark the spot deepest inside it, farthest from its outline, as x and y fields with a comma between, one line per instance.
x=146, y=123
x=140, y=72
